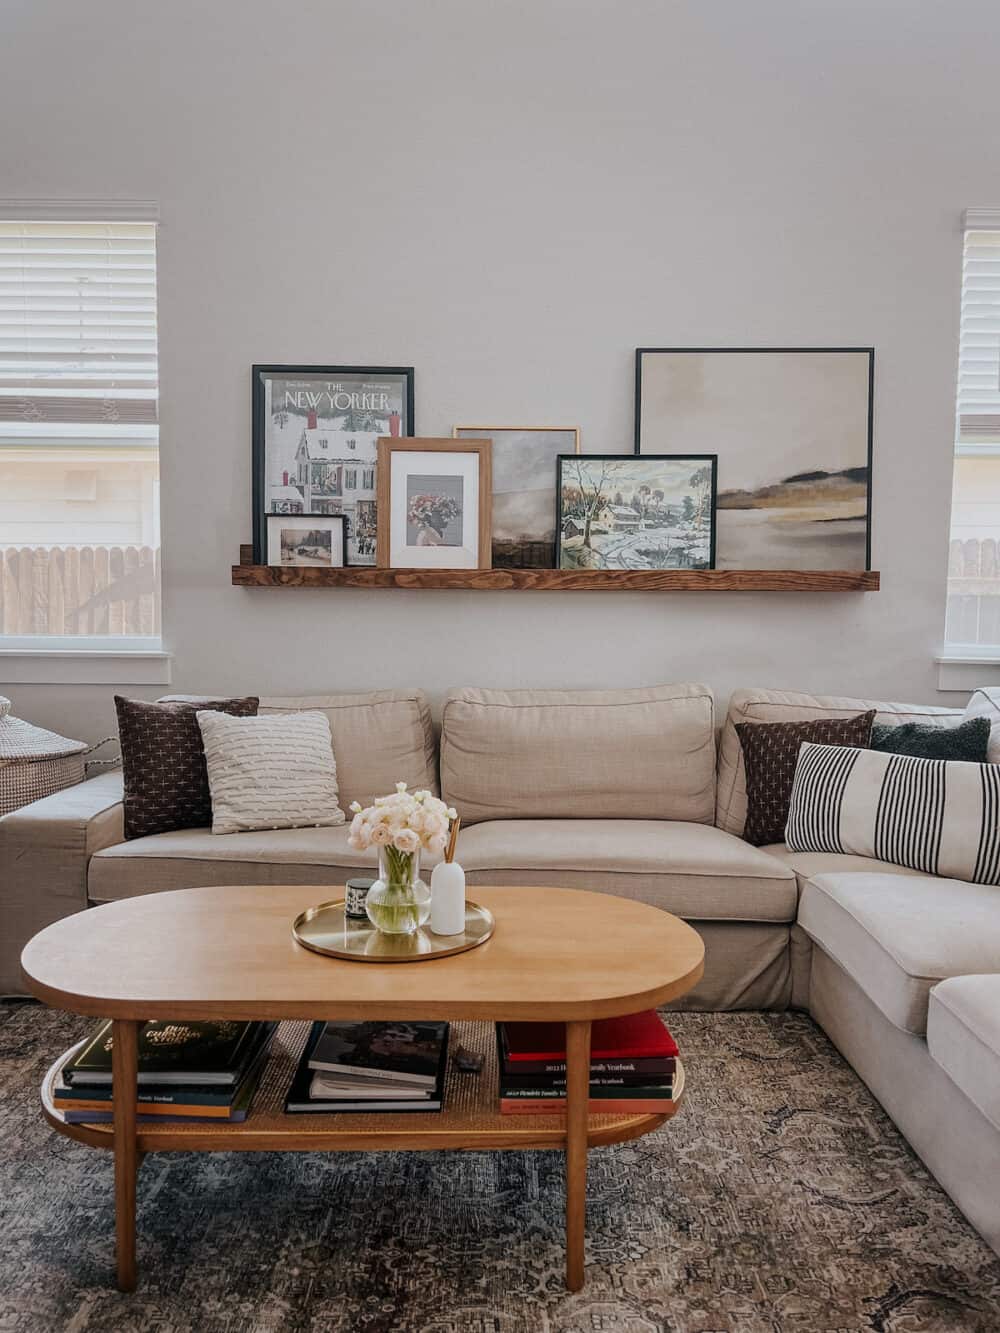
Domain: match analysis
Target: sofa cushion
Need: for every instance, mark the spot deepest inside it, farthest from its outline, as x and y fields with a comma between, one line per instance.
x=190, y=858
x=695, y=870
x=985, y=703
x=379, y=738
x=806, y=865
x=897, y=935
x=963, y=1037
x=928, y=814
x=786, y=706
x=580, y=754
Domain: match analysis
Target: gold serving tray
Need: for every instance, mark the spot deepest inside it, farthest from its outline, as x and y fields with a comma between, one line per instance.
x=326, y=929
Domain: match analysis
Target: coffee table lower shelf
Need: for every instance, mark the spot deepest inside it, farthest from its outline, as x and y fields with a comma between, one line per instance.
x=470, y=1120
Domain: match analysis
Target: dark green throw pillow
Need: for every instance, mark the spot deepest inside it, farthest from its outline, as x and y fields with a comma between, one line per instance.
x=967, y=742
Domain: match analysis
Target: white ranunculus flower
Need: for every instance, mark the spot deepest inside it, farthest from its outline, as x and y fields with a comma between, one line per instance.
x=406, y=841
x=381, y=835
x=437, y=843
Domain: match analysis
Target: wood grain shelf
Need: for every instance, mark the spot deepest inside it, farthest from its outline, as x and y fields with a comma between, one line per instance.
x=563, y=580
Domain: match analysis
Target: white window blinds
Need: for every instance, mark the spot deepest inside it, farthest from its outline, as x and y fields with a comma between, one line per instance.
x=78, y=333
x=978, y=421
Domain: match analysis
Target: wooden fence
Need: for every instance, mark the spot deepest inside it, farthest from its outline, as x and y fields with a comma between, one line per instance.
x=79, y=590
x=973, y=614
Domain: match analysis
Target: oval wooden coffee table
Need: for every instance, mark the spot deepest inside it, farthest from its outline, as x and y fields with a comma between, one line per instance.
x=556, y=955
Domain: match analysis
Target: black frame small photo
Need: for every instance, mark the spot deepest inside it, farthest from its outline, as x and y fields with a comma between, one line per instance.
x=613, y=477
x=338, y=546
x=314, y=445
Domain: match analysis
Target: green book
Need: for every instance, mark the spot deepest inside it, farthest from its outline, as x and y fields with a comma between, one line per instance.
x=190, y=1054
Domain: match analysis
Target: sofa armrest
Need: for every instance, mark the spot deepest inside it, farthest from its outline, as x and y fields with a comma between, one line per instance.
x=45, y=849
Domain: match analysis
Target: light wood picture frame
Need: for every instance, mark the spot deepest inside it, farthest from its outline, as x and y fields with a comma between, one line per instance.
x=434, y=504
x=524, y=490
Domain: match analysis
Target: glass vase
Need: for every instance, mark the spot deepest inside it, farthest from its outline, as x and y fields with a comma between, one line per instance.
x=399, y=902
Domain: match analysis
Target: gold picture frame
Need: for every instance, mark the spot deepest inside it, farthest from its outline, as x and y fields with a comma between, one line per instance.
x=523, y=532
x=442, y=518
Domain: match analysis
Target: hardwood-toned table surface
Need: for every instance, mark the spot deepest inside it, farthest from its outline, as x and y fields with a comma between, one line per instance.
x=227, y=952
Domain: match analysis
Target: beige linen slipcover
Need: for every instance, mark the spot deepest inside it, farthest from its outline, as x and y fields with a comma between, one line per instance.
x=898, y=935
x=580, y=754
x=789, y=706
x=963, y=1036
x=380, y=737
x=693, y=870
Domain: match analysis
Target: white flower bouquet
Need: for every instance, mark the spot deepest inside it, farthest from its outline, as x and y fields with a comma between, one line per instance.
x=400, y=826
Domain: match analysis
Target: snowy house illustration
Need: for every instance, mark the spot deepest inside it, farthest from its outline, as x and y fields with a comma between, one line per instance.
x=618, y=518
x=327, y=471
x=285, y=498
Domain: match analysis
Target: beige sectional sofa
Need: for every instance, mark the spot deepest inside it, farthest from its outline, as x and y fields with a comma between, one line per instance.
x=629, y=792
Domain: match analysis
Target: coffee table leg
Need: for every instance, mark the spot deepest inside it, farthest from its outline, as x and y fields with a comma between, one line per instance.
x=124, y=1050
x=577, y=1096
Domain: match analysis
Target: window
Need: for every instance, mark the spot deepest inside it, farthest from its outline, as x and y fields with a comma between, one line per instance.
x=79, y=488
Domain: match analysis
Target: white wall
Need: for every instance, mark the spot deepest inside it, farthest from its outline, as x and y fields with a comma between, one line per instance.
x=512, y=197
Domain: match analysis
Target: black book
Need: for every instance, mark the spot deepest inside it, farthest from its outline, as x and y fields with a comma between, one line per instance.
x=192, y=1054
x=299, y=1101
x=398, y=1052
x=171, y=1094
x=659, y=1091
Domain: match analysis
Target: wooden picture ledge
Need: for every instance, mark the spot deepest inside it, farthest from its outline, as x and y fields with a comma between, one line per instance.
x=248, y=575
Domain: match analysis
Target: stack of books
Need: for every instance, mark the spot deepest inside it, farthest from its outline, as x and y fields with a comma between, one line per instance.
x=186, y=1071
x=371, y=1067
x=633, y=1061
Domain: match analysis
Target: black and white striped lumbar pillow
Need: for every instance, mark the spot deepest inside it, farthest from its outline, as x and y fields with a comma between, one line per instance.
x=935, y=815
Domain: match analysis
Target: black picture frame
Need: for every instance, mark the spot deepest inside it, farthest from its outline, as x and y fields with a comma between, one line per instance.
x=259, y=373
x=326, y=518
x=711, y=459
x=864, y=350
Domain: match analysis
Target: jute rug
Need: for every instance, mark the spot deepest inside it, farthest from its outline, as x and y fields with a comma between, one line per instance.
x=781, y=1198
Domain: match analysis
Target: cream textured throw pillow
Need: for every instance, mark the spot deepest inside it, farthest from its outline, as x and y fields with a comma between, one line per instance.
x=270, y=772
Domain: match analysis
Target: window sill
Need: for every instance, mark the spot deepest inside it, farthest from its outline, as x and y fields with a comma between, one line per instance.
x=84, y=666
x=963, y=673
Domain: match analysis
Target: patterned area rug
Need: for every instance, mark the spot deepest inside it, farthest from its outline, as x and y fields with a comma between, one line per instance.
x=780, y=1198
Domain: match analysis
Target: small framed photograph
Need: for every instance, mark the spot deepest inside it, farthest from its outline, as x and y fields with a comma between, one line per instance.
x=524, y=459
x=434, y=504
x=656, y=511
x=316, y=540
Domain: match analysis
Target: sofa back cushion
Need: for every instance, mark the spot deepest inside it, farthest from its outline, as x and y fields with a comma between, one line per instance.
x=380, y=737
x=580, y=754
x=789, y=706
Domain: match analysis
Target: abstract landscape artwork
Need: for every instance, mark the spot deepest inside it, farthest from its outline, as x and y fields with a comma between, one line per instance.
x=792, y=431
x=524, y=487
x=622, y=512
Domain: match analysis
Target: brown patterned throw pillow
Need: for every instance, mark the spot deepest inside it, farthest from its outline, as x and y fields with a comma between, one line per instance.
x=770, y=753
x=163, y=760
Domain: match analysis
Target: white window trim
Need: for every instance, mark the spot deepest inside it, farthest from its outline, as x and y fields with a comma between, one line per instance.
x=92, y=660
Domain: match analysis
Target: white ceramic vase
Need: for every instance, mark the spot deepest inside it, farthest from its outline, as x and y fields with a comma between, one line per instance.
x=448, y=899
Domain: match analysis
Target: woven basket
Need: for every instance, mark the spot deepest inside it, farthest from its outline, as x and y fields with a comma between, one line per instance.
x=34, y=762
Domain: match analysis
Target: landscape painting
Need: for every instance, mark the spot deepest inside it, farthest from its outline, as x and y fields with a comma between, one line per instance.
x=524, y=488
x=792, y=431
x=620, y=512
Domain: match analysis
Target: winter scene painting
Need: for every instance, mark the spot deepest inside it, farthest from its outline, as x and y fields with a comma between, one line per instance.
x=315, y=435
x=792, y=429
x=524, y=487
x=636, y=513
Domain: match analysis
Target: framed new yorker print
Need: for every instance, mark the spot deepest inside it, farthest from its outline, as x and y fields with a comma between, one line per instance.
x=314, y=445
x=793, y=431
